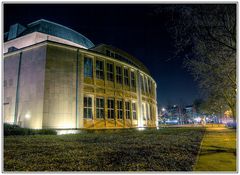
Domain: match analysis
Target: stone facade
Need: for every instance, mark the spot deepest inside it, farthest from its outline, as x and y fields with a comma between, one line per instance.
x=56, y=85
x=51, y=89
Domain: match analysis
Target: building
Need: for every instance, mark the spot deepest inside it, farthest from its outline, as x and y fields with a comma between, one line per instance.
x=54, y=77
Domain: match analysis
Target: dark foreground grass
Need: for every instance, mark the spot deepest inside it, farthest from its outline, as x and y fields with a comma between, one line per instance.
x=168, y=149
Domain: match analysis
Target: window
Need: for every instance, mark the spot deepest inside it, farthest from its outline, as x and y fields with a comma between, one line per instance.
x=99, y=69
x=133, y=83
x=146, y=84
x=119, y=109
x=107, y=52
x=127, y=109
x=126, y=77
x=142, y=83
x=151, y=112
x=110, y=108
x=150, y=86
x=144, y=111
x=99, y=107
x=110, y=72
x=112, y=54
x=88, y=67
x=134, y=111
x=147, y=111
x=88, y=107
x=119, y=74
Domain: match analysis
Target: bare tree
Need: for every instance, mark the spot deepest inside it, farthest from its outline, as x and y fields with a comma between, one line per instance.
x=206, y=36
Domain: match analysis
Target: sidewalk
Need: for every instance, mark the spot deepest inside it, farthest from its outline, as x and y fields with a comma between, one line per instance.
x=218, y=150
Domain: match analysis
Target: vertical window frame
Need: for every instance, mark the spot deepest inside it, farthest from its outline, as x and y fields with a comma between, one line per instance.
x=100, y=108
x=88, y=108
x=110, y=108
x=110, y=71
x=119, y=109
x=99, y=69
x=119, y=74
x=126, y=76
x=88, y=73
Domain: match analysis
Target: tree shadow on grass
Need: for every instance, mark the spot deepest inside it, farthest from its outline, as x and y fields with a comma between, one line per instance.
x=217, y=149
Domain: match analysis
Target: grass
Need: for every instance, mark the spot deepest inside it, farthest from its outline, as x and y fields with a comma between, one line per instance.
x=167, y=149
x=218, y=150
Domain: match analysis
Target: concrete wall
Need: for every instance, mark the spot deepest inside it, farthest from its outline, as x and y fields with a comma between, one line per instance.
x=60, y=88
x=11, y=63
x=27, y=89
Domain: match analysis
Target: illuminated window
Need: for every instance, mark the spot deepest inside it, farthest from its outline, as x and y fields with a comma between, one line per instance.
x=147, y=111
x=119, y=109
x=134, y=111
x=99, y=107
x=150, y=86
x=119, y=74
x=126, y=77
x=146, y=85
x=88, y=67
x=127, y=109
x=144, y=111
x=88, y=107
x=142, y=84
x=110, y=108
x=99, y=69
x=110, y=72
x=133, y=83
x=151, y=112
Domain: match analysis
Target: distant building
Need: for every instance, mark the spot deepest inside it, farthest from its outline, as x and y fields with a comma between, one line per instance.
x=54, y=77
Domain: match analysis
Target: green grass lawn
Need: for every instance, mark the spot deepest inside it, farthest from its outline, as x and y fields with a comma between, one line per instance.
x=218, y=150
x=167, y=149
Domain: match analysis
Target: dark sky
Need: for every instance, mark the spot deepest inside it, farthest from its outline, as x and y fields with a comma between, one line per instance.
x=135, y=29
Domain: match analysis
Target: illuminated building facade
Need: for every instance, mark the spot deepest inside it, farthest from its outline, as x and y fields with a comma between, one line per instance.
x=55, y=77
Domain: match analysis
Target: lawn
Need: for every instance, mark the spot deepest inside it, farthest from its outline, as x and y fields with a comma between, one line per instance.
x=218, y=150
x=166, y=149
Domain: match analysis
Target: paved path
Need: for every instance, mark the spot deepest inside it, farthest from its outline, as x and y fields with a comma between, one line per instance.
x=218, y=150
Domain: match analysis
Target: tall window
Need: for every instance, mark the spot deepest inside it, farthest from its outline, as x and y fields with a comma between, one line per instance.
x=146, y=84
x=134, y=111
x=99, y=107
x=119, y=74
x=110, y=108
x=99, y=69
x=127, y=109
x=144, y=111
x=151, y=112
x=133, y=83
x=126, y=77
x=88, y=107
x=119, y=109
x=88, y=67
x=150, y=86
x=110, y=72
x=147, y=111
x=107, y=52
x=142, y=84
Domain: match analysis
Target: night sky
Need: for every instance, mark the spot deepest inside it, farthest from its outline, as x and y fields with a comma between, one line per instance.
x=136, y=29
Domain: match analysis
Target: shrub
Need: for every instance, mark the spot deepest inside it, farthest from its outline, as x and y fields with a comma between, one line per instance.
x=17, y=130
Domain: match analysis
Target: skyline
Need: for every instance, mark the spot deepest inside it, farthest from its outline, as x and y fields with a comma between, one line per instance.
x=135, y=29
